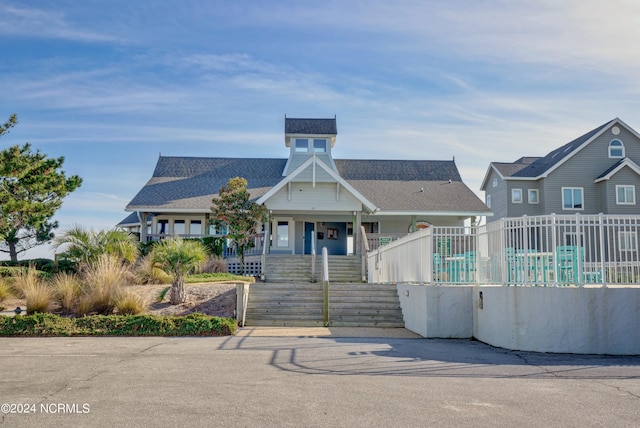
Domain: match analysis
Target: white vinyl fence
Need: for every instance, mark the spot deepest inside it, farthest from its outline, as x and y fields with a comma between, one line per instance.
x=538, y=250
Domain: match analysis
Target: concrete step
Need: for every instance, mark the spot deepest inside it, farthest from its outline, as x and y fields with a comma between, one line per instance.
x=297, y=268
x=350, y=305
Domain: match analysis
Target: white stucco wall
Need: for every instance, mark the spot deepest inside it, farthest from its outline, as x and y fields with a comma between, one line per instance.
x=437, y=311
x=548, y=319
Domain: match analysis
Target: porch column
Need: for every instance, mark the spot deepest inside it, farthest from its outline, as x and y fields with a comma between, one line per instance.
x=154, y=225
x=143, y=226
x=357, y=235
x=413, y=223
x=207, y=219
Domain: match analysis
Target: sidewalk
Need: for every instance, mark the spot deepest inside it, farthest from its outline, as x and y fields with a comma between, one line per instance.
x=399, y=333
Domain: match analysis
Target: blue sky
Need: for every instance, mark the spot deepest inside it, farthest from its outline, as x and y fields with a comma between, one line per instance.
x=110, y=85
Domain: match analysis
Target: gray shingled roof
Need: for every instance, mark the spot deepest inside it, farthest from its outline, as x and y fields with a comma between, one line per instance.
x=508, y=169
x=543, y=164
x=310, y=126
x=394, y=185
x=407, y=170
x=191, y=182
x=612, y=167
x=420, y=196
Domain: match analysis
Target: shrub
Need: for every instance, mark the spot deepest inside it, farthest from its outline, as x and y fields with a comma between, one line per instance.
x=102, y=280
x=67, y=288
x=146, y=272
x=129, y=303
x=214, y=264
x=117, y=325
x=214, y=245
x=5, y=290
x=38, y=298
x=23, y=280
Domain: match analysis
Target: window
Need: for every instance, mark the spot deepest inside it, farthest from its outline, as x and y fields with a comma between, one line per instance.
x=195, y=227
x=179, y=227
x=282, y=234
x=302, y=145
x=572, y=198
x=163, y=226
x=489, y=201
x=625, y=195
x=494, y=183
x=627, y=241
x=616, y=149
x=533, y=196
x=516, y=196
x=320, y=146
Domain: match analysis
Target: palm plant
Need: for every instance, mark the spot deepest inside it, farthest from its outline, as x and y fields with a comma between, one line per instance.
x=178, y=258
x=82, y=245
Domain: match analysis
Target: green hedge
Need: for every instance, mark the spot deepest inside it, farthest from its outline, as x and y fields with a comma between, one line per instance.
x=39, y=325
x=45, y=265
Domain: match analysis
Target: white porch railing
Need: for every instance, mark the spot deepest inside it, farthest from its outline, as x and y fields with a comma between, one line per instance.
x=228, y=251
x=541, y=250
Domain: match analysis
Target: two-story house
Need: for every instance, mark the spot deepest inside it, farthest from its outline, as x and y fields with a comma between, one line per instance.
x=597, y=172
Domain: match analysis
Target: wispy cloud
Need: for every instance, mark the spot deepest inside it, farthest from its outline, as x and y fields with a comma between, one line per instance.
x=42, y=23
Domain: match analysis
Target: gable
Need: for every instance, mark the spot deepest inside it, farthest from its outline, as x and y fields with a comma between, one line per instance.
x=621, y=165
x=314, y=170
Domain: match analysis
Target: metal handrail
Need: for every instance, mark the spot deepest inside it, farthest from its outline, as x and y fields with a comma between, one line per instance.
x=325, y=285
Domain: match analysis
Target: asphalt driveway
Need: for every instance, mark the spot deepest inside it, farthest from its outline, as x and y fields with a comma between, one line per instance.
x=247, y=380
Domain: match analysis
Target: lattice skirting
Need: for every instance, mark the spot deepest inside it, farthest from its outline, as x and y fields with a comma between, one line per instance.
x=252, y=267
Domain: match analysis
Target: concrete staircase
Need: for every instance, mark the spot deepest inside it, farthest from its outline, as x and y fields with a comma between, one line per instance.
x=281, y=268
x=364, y=305
x=298, y=305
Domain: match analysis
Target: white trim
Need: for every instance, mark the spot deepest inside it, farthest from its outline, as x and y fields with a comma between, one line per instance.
x=291, y=234
x=626, y=162
x=620, y=148
x=313, y=159
x=630, y=237
x=537, y=192
x=633, y=191
x=331, y=138
x=434, y=213
x=562, y=189
x=513, y=200
x=163, y=210
x=486, y=175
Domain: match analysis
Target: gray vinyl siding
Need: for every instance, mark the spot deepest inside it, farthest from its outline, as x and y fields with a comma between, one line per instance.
x=582, y=169
x=498, y=197
x=625, y=177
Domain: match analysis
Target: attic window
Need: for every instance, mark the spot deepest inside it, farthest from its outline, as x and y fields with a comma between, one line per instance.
x=320, y=145
x=616, y=149
x=495, y=182
x=302, y=145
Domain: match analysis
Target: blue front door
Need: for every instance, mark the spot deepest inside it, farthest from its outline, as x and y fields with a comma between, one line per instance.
x=309, y=230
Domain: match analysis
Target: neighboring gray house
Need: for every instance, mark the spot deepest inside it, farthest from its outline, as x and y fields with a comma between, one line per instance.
x=597, y=172
x=309, y=194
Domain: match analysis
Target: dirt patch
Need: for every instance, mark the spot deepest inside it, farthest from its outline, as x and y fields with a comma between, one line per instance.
x=208, y=299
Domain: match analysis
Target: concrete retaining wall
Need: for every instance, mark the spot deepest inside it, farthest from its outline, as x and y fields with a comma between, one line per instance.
x=573, y=320
x=437, y=311
x=541, y=319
